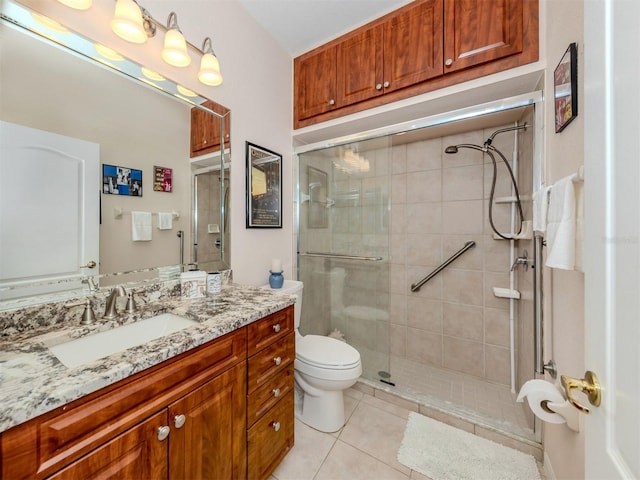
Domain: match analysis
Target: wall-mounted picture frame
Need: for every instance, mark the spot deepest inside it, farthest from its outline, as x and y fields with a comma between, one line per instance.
x=121, y=180
x=264, y=187
x=565, y=88
x=162, y=179
x=318, y=213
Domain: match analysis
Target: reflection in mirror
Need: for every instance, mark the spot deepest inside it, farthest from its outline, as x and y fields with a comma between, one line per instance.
x=128, y=124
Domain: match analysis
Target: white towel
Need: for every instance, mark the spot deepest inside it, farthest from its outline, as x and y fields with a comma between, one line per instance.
x=140, y=226
x=561, y=226
x=540, y=208
x=579, y=188
x=165, y=220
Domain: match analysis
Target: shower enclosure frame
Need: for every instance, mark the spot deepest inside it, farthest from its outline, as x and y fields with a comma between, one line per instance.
x=534, y=99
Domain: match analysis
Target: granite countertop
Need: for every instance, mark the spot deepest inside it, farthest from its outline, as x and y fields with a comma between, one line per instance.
x=33, y=381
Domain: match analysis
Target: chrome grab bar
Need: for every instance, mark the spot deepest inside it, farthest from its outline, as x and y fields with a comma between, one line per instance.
x=338, y=255
x=467, y=246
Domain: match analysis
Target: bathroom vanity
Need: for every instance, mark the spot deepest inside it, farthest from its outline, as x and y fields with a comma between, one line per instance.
x=211, y=401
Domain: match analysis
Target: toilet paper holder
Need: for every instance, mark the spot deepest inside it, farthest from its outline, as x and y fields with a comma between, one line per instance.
x=589, y=385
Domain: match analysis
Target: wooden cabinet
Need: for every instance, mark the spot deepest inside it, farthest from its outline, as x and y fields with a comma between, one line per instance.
x=270, y=418
x=205, y=129
x=423, y=46
x=479, y=31
x=198, y=397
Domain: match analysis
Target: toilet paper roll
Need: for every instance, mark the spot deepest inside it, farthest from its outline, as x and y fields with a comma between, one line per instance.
x=538, y=391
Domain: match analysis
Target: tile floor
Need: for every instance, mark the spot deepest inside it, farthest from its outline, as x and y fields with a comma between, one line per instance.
x=365, y=448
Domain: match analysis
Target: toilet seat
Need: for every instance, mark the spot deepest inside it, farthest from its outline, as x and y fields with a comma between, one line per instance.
x=326, y=352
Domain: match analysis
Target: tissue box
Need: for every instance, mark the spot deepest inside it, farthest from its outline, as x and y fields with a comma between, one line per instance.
x=193, y=284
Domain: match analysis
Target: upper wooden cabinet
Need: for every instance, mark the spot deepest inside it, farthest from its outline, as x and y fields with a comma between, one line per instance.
x=479, y=31
x=205, y=129
x=423, y=46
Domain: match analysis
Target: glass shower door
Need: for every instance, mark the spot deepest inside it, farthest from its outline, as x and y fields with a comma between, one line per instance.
x=343, y=248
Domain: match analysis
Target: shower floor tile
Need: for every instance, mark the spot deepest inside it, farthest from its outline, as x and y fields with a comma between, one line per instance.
x=482, y=402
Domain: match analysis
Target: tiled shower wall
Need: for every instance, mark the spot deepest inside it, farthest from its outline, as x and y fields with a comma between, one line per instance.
x=439, y=202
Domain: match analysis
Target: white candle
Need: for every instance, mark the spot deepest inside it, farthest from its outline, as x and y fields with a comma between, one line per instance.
x=276, y=265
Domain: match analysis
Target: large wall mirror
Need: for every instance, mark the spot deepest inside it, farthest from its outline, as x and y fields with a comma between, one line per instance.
x=127, y=123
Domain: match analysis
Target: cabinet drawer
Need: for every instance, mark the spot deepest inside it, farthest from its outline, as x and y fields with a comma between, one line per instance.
x=266, y=331
x=267, y=395
x=270, y=439
x=270, y=361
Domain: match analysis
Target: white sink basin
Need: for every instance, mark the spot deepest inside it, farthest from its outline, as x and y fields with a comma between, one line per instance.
x=92, y=347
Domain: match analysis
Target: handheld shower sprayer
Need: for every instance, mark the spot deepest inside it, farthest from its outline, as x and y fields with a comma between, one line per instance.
x=488, y=148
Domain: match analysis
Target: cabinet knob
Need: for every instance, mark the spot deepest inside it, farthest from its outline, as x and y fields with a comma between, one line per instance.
x=378, y=86
x=332, y=102
x=276, y=328
x=448, y=62
x=205, y=142
x=277, y=360
x=179, y=420
x=276, y=392
x=385, y=84
x=275, y=425
x=163, y=432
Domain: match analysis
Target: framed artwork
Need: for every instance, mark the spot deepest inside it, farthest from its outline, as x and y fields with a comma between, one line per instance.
x=264, y=187
x=121, y=180
x=162, y=179
x=565, y=88
x=318, y=214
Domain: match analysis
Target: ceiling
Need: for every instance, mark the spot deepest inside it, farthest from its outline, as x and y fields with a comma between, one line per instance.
x=300, y=25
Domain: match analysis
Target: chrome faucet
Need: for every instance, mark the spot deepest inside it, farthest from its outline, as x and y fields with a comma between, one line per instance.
x=110, y=310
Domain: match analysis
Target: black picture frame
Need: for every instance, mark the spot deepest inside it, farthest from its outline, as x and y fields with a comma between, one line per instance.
x=565, y=88
x=118, y=180
x=264, y=187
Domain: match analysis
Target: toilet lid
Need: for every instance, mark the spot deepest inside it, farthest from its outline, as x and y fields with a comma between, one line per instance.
x=326, y=352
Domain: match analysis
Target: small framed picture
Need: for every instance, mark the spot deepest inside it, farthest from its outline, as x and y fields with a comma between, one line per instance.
x=565, y=88
x=162, y=179
x=121, y=181
x=264, y=188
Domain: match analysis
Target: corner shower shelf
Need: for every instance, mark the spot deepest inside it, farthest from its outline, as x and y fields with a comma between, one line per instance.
x=525, y=234
x=506, y=293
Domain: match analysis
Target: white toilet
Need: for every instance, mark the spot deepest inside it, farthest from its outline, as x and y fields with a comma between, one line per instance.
x=323, y=368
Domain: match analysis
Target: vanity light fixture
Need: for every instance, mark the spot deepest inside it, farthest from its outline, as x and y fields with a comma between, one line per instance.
x=77, y=4
x=209, y=73
x=106, y=52
x=185, y=91
x=48, y=23
x=151, y=75
x=175, y=46
x=132, y=22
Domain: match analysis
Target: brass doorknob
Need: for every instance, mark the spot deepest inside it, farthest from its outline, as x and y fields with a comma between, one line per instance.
x=588, y=385
x=90, y=264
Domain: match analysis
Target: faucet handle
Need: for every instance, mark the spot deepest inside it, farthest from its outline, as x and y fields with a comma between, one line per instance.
x=131, y=303
x=88, y=317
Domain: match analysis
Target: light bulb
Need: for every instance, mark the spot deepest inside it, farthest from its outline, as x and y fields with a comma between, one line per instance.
x=127, y=22
x=209, y=73
x=175, y=49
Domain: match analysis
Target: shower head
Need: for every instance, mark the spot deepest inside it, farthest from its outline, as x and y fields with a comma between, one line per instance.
x=451, y=149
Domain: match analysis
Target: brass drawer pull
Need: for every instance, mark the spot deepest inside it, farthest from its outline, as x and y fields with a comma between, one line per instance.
x=276, y=392
x=163, y=432
x=277, y=360
x=276, y=328
x=275, y=425
x=179, y=420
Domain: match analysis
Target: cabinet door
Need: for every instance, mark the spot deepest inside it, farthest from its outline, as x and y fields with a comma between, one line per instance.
x=478, y=31
x=208, y=428
x=413, y=46
x=315, y=83
x=205, y=129
x=360, y=68
x=136, y=453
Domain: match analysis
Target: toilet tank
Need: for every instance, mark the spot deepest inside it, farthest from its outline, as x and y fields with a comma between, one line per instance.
x=292, y=287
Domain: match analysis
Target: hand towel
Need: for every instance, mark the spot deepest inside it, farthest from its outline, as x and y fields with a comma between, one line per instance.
x=561, y=225
x=540, y=208
x=140, y=226
x=579, y=188
x=165, y=220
